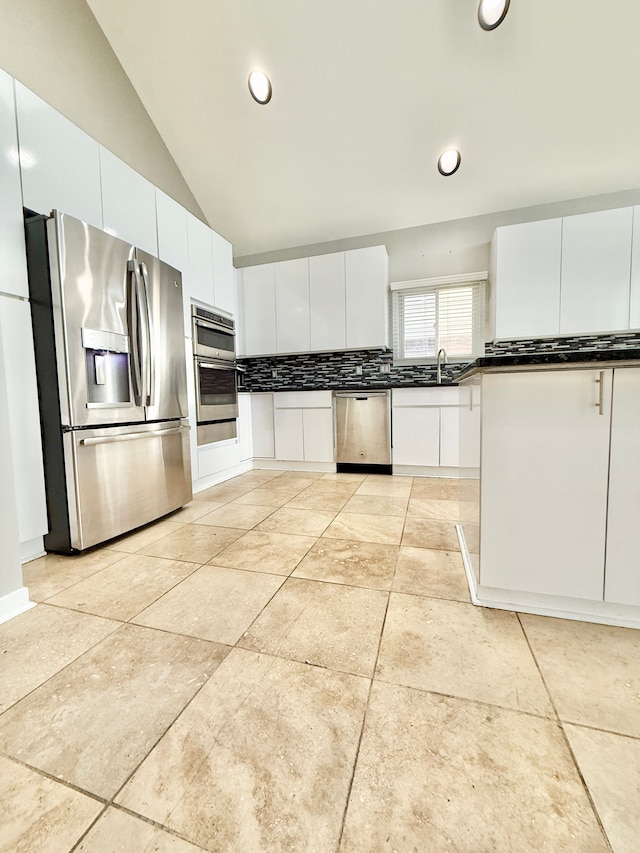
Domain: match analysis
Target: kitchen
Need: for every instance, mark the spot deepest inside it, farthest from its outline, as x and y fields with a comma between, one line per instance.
x=77, y=183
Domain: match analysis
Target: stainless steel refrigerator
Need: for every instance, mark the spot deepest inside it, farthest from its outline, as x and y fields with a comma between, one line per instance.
x=110, y=359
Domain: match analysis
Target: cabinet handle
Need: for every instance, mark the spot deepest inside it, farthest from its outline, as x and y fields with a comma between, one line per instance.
x=600, y=403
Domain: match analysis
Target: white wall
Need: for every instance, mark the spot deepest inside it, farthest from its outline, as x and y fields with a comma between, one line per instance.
x=57, y=49
x=446, y=248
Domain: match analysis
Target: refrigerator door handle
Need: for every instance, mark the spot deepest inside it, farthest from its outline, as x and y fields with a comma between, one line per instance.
x=131, y=436
x=150, y=364
x=134, y=331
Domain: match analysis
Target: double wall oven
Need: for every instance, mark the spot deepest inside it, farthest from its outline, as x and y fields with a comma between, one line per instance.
x=214, y=350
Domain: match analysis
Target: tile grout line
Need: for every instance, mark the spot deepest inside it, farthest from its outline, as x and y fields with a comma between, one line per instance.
x=362, y=727
x=565, y=738
x=90, y=648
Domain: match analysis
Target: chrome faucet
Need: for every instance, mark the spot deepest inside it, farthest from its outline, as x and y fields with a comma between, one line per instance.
x=441, y=352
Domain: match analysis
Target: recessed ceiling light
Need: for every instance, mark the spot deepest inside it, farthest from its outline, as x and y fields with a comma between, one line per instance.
x=491, y=13
x=449, y=161
x=260, y=87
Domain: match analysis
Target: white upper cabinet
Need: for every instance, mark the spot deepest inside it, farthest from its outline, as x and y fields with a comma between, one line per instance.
x=367, y=282
x=128, y=203
x=199, y=276
x=327, y=302
x=12, y=255
x=224, y=278
x=526, y=279
x=173, y=247
x=259, y=301
x=60, y=163
x=292, y=305
x=634, y=312
x=596, y=271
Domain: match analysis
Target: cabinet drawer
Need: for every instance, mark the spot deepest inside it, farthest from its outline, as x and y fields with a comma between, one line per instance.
x=302, y=400
x=436, y=396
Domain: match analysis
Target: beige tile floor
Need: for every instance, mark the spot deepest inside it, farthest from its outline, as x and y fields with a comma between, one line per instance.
x=292, y=663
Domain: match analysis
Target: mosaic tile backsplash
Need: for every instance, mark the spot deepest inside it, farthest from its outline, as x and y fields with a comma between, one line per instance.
x=324, y=371
x=619, y=340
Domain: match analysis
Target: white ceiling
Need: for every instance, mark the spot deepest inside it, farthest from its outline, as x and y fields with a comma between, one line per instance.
x=366, y=93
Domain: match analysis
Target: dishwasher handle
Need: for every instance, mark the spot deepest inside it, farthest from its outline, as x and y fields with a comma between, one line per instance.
x=361, y=395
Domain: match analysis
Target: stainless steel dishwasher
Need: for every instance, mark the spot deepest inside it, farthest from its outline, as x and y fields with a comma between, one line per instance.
x=363, y=431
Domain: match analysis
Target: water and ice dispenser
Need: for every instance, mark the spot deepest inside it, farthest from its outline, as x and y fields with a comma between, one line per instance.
x=107, y=366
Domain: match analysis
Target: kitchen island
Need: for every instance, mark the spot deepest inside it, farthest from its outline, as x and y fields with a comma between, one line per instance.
x=557, y=452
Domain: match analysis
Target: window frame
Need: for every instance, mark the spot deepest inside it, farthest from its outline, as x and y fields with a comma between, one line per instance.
x=476, y=280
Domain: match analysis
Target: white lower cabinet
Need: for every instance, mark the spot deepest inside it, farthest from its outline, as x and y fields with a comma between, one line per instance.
x=622, y=567
x=262, y=426
x=289, y=434
x=425, y=427
x=317, y=433
x=416, y=436
x=245, y=429
x=303, y=423
x=545, y=458
x=560, y=493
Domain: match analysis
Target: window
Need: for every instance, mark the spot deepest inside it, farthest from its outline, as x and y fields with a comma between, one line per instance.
x=433, y=314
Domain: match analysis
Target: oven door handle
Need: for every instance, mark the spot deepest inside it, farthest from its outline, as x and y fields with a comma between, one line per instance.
x=209, y=366
x=198, y=321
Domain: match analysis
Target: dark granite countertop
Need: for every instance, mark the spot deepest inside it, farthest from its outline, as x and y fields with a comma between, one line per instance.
x=365, y=389
x=553, y=360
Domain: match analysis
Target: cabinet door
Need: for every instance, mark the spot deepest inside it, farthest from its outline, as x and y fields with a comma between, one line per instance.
x=367, y=284
x=289, y=436
x=596, y=271
x=60, y=163
x=22, y=393
x=622, y=569
x=173, y=247
x=224, y=279
x=245, y=436
x=128, y=203
x=634, y=313
x=327, y=302
x=416, y=436
x=545, y=458
x=317, y=427
x=262, y=425
x=449, y=437
x=292, y=305
x=527, y=279
x=199, y=278
x=259, y=299
x=12, y=253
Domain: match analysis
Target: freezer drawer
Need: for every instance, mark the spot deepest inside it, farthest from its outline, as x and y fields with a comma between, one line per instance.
x=124, y=477
x=363, y=433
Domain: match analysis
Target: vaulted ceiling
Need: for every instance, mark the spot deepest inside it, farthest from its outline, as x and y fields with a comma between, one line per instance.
x=367, y=93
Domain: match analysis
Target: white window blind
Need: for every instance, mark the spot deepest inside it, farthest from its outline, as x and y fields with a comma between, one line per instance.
x=438, y=314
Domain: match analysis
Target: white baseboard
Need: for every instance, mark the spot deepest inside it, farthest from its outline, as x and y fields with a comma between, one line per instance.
x=32, y=549
x=562, y=607
x=427, y=471
x=279, y=465
x=15, y=603
x=220, y=476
